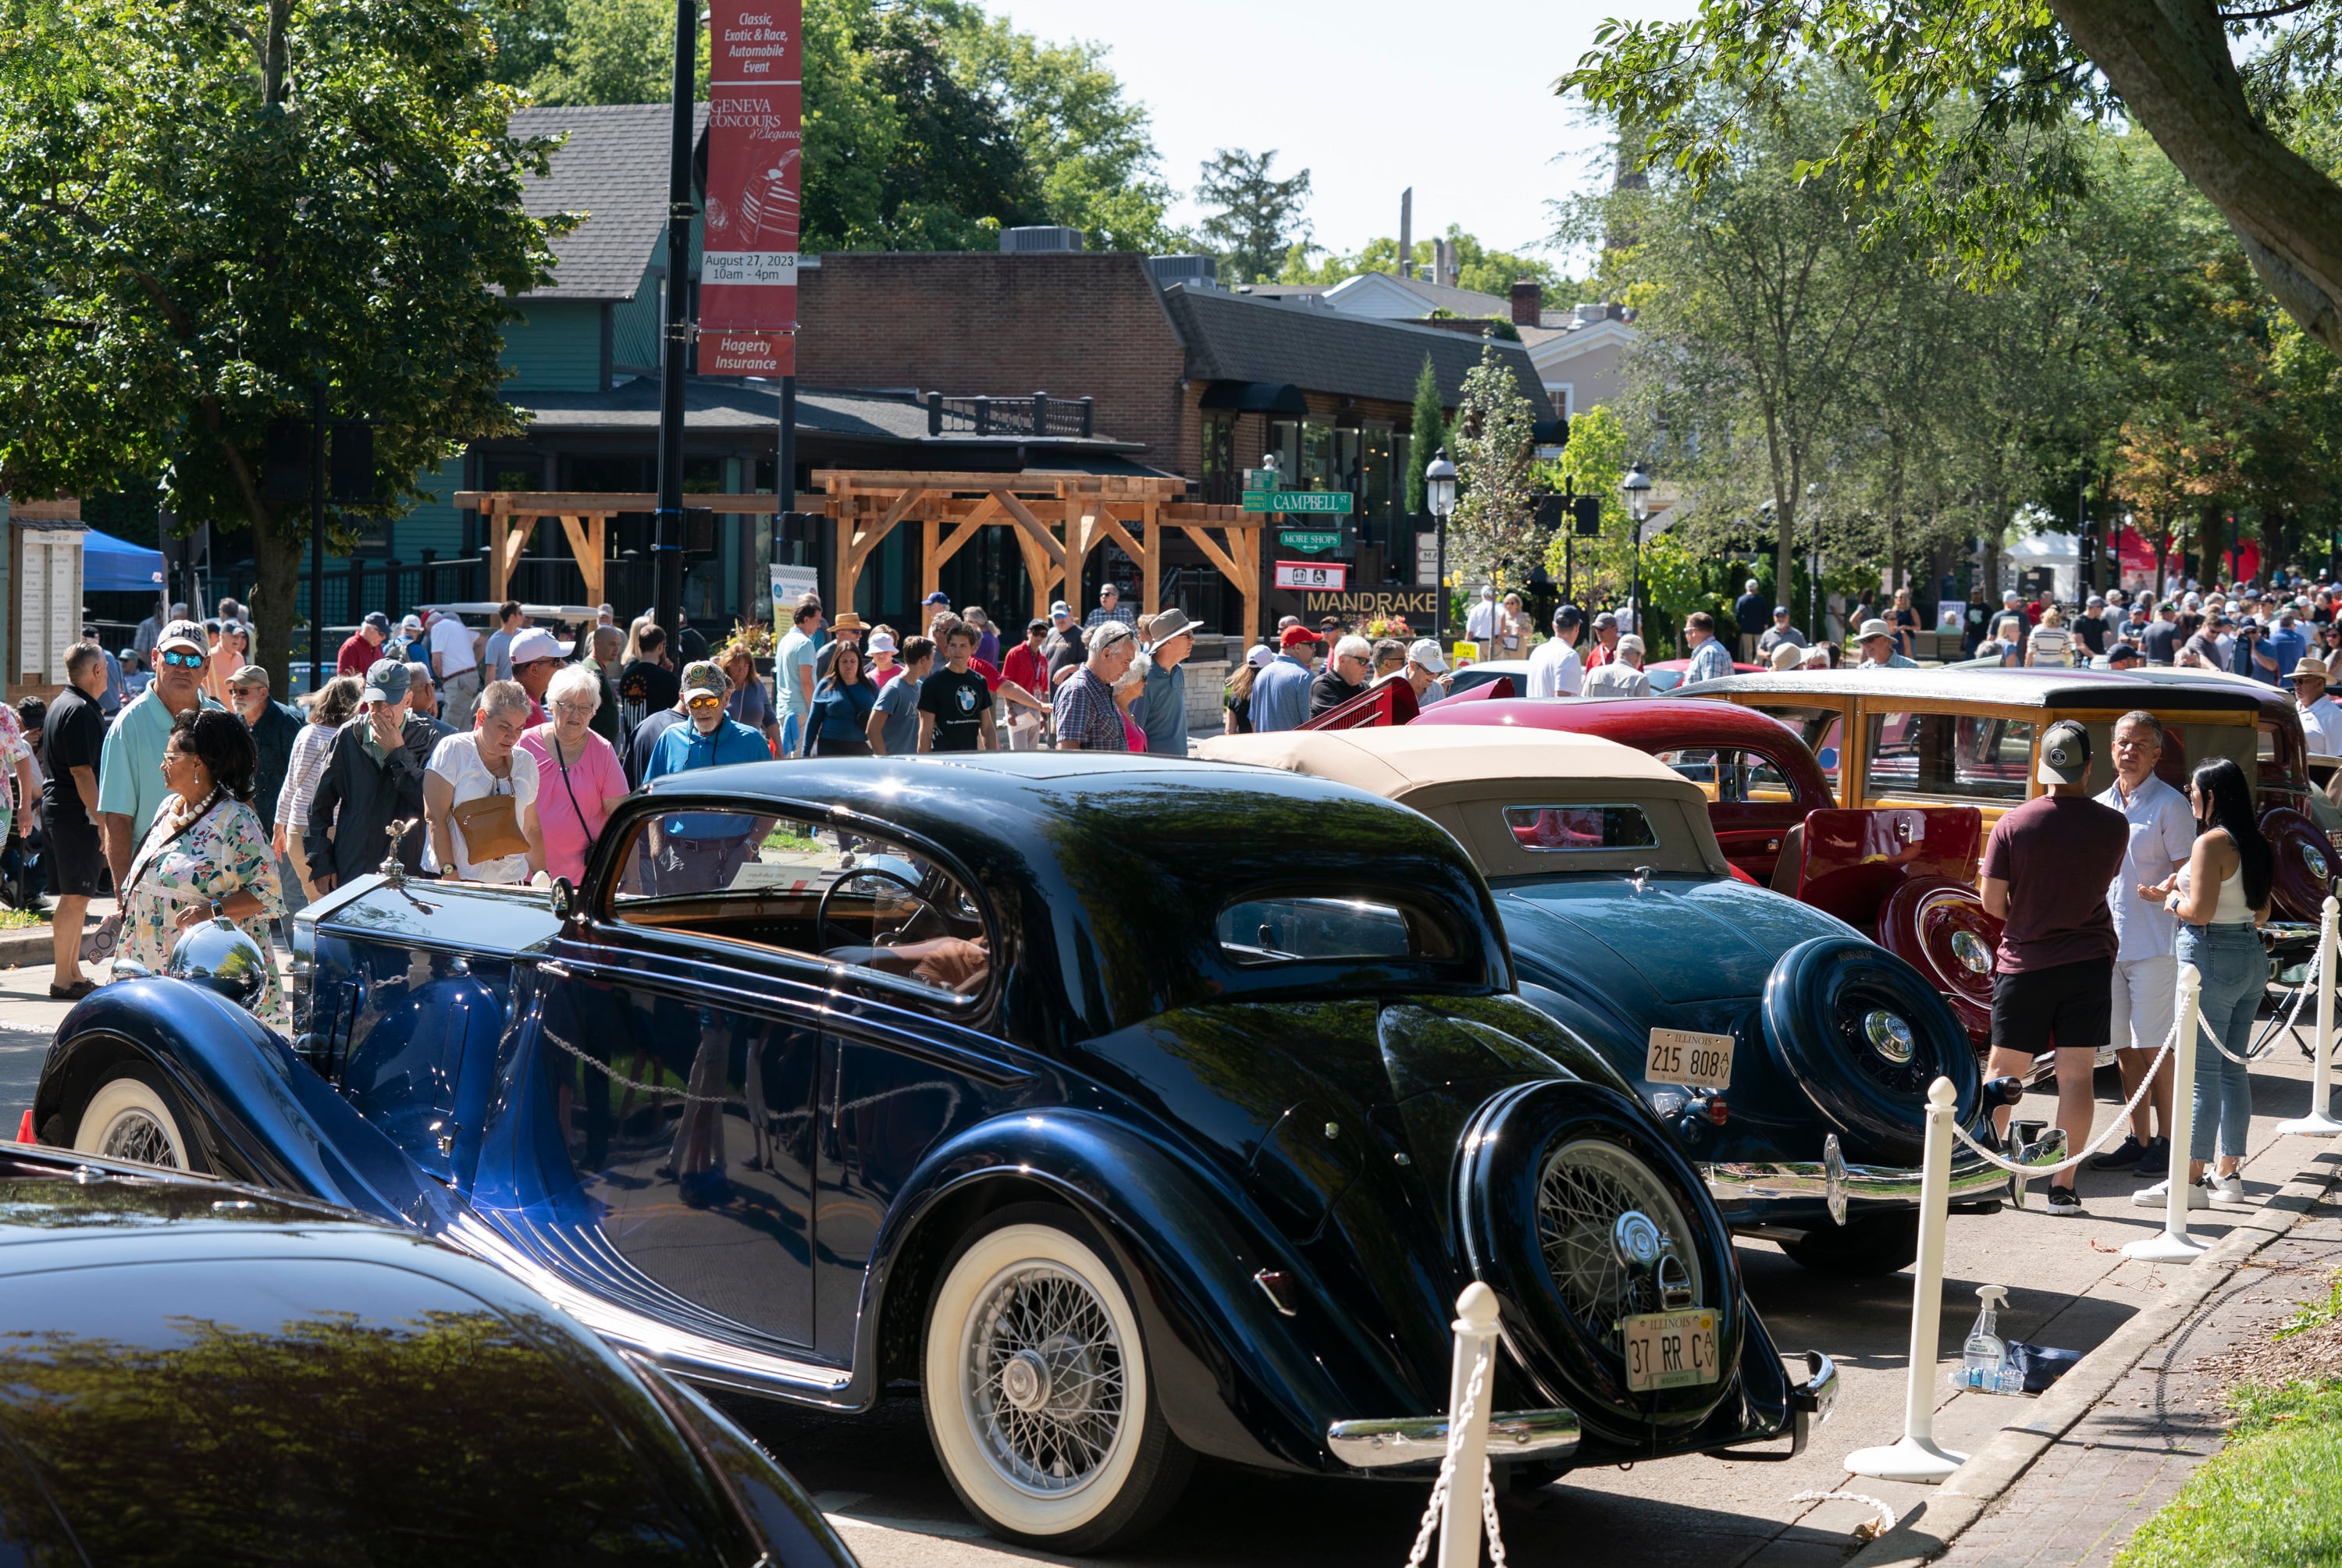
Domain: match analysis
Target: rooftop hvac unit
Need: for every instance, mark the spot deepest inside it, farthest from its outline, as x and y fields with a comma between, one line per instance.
x=1040, y=237
x=1197, y=272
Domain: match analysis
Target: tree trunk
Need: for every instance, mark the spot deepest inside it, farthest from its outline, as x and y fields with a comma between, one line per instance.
x=276, y=560
x=2211, y=536
x=2170, y=61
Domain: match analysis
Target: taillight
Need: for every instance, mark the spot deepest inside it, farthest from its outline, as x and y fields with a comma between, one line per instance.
x=1712, y=1107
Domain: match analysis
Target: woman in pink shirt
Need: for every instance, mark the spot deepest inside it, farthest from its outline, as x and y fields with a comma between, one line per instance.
x=580, y=781
x=886, y=662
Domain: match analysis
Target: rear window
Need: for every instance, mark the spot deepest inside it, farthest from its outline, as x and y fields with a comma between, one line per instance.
x=1820, y=728
x=1322, y=929
x=1562, y=829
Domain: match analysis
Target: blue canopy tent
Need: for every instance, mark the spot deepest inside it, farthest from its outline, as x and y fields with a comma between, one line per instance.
x=111, y=565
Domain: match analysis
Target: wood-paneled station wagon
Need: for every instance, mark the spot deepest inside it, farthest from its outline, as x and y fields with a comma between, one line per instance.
x=1969, y=736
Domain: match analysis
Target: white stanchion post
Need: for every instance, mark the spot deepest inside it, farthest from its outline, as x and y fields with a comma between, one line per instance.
x=2173, y=1247
x=1917, y=1457
x=2320, y=1121
x=1467, y=1439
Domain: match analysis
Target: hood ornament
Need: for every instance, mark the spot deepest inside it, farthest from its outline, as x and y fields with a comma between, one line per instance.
x=1642, y=879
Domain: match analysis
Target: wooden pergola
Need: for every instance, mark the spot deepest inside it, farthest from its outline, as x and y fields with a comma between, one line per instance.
x=1058, y=518
x=512, y=516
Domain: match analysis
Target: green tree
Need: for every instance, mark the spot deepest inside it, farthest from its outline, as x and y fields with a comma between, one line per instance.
x=1595, y=460
x=1494, y=535
x=1429, y=433
x=213, y=209
x=1256, y=218
x=605, y=52
x=1983, y=180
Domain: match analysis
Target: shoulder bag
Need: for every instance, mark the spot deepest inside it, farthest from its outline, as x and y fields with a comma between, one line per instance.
x=99, y=946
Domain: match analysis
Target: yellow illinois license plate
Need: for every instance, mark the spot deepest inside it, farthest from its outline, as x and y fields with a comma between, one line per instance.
x=1688, y=1056
x=1669, y=1349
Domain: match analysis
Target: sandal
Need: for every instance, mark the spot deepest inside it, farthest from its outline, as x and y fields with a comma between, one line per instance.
x=73, y=993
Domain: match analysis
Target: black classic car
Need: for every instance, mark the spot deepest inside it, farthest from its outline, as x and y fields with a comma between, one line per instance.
x=1136, y=1110
x=193, y=1371
x=1787, y=1053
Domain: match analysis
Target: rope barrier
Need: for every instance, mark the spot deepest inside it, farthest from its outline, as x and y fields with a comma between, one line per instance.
x=2146, y=1082
x=1871, y=1529
x=2268, y=1041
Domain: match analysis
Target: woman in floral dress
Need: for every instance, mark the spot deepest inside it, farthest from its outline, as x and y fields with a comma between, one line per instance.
x=208, y=854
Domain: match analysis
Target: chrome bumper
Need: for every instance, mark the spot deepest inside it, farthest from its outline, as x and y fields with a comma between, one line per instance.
x=1837, y=1183
x=1817, y=1395
x=1423, y=1439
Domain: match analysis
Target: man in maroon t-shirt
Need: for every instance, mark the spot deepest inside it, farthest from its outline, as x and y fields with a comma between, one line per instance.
x=2047, y=868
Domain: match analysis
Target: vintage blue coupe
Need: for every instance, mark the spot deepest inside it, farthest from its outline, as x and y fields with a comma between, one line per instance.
x=1786, y=1054
x=1135, y=1110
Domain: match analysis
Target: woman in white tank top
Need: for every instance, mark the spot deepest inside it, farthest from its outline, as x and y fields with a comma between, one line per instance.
x=2220, y=895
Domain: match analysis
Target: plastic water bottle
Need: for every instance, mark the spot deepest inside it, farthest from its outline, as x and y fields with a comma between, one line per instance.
x=1985, y=1365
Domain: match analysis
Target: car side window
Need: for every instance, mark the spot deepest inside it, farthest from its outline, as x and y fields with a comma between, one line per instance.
x=1732, y=777
x=1703, y=765
x=1970, y=756
x=1820, y=728
x=803, y=886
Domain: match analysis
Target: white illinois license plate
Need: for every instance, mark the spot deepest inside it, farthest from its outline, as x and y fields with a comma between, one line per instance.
x=1688, y=1056
x=1669, y=1349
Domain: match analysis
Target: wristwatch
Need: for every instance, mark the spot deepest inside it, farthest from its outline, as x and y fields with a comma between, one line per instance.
x=219, y=910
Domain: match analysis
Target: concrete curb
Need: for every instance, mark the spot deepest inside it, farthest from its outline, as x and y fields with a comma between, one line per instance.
x=1972, y=1490
x=32, y=945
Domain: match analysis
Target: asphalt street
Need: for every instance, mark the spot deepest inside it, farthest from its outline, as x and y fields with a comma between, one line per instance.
x=2070, y=1286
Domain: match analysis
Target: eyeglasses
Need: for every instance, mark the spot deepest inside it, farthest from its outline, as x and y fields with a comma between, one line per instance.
x=184, y=661
x=703, y=700
x=574, y=710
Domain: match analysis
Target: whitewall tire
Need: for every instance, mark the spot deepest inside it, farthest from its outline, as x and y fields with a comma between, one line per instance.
x=131, y=1118
x=1035, y=1385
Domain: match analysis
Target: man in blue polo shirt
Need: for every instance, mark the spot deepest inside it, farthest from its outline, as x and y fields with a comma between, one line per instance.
x=708, y=738
x=701, y=851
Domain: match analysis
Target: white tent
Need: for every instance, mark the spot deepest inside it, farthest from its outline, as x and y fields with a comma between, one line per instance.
x=2060, y=552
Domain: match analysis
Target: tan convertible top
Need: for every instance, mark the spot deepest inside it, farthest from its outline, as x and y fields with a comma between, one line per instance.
x=1466, y=783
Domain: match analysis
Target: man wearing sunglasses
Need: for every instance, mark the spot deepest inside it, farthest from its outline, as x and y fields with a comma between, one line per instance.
x=130, y=787
x=708, y=738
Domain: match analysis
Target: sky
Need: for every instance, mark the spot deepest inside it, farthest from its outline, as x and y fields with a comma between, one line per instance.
x=1455, y=99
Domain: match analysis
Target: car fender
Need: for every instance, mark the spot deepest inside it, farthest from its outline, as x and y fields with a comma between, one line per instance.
x=1239, y=1379
x=261, y=1113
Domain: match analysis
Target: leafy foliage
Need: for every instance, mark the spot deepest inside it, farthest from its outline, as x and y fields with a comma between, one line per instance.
x=1428, y=435
x=1494, y=535
x=213, y=206
x=1257, y=219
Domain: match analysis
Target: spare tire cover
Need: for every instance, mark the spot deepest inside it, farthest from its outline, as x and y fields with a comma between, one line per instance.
x=1939, y=928
x=1864, y=1033
x=2305, y=863
x=1545, y=1171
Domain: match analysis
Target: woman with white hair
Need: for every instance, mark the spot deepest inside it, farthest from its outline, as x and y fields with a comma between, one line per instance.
x=582, y=780
x=479, y=795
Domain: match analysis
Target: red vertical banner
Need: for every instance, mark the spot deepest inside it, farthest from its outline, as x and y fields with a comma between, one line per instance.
x=748, y=259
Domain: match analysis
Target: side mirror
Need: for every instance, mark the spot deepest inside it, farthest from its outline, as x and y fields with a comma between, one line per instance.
x=562, y=899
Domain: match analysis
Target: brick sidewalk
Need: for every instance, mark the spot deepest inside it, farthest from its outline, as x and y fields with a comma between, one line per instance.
x=2082, y=1501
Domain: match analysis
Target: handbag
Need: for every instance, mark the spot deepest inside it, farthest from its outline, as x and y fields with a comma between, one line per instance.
x=491, y=828
x=99, y=946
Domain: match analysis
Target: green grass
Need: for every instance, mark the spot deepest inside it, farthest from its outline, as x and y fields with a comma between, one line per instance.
x=19, y=919
x=2272, y=1496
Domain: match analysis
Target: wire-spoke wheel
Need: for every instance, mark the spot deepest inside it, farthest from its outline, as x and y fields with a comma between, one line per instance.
x=130, y=1118
x=1586, y=1199
x=1037, y=1391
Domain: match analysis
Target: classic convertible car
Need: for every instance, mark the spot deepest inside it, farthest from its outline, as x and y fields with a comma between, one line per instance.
x=1775, y=1042
x=193, y=1371
x=1134, y=1109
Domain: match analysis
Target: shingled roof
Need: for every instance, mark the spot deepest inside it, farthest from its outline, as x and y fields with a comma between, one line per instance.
x=613, y=168
x=1234, y=338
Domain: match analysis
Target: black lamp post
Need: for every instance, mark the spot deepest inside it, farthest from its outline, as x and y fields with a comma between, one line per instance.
x=1636, y=486
x=1439, y=494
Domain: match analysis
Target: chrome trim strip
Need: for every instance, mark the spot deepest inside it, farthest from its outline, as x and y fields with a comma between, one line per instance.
x=1423, y=1439
x=1755, y=1181
x=1817, y=1395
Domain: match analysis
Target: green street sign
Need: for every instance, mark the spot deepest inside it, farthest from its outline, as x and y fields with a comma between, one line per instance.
x=1309, y=543
x=1297, y=501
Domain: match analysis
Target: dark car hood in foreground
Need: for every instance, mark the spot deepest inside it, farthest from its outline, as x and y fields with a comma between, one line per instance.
x=193, y=1371
x=1680, y=939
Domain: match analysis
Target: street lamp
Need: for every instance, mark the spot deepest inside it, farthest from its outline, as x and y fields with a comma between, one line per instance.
x=1439, y=494
x=1636, y=486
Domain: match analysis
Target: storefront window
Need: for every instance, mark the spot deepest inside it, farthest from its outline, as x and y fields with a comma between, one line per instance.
x=1219, y=455
x=1374, y=497
x=1316, y=469
x=1285, y=445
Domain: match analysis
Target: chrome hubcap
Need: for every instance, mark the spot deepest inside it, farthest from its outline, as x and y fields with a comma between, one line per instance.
x=2313, y=860
x=1607, y=1226
x=1970, y=950
x=1888, y=1035
x=1636, y=1239
x=1045, y=1369
x=135, y=1136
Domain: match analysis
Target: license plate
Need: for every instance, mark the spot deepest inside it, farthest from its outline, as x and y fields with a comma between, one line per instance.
x=1669, y=1349
x=1688, y=1056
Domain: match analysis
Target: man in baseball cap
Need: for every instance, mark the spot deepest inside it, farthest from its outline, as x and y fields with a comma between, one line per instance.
x=535, y=654
x=373, y=777
x=362, y=647
x=1425, y=670
x=1554, y=668
x=709, y=738
x=1280, y=693
x=2047, y=867
x=130, y=788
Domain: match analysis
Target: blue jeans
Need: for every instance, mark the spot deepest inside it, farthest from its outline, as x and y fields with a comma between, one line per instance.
x=2234, y=969
x=792, y=733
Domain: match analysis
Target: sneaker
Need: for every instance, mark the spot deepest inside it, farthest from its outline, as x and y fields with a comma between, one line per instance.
x=2228, y=1189
x=2123, y=1156
x=2064, y=1200
x=2160, y=1195
x=2155, y=1160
